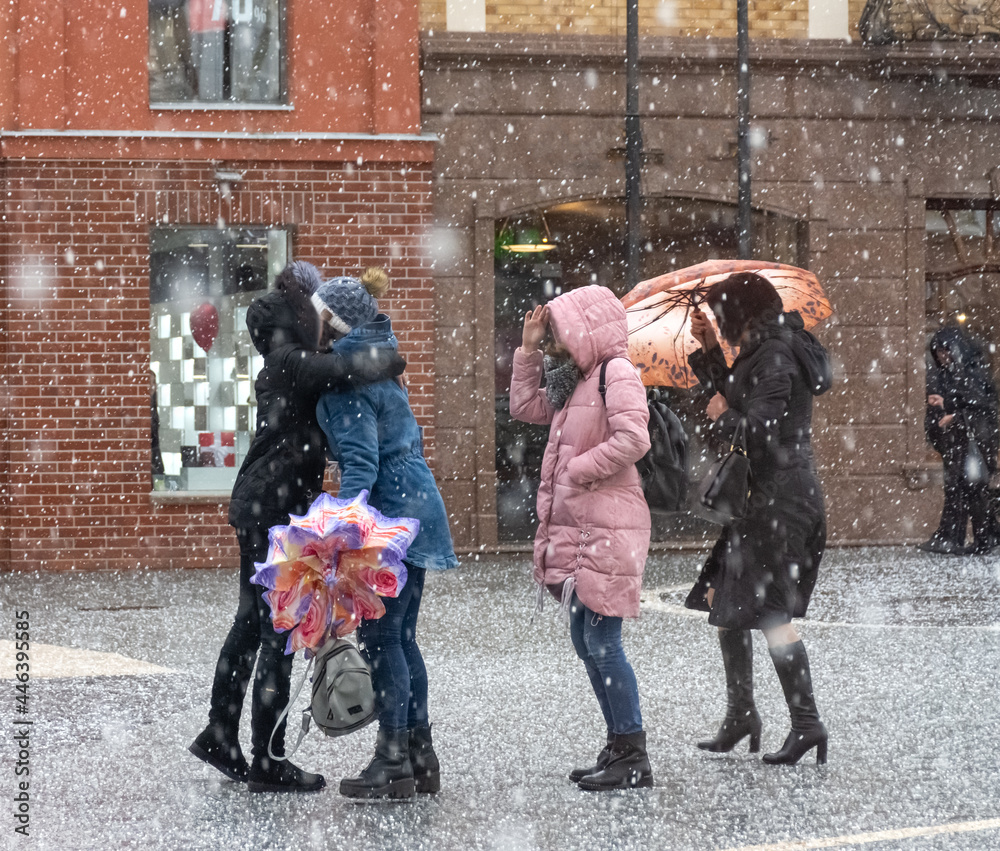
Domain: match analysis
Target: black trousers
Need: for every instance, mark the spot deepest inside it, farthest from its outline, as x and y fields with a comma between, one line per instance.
x=964, y=500
x=252, y=637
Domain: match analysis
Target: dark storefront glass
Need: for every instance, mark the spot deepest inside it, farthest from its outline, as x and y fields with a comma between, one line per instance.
x=201, y=282
x=589, y=245
x=216, y=51
x=963, y=264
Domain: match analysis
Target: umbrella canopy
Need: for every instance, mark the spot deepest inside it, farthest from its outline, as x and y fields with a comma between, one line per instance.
x=659, y=313
x=327, y=569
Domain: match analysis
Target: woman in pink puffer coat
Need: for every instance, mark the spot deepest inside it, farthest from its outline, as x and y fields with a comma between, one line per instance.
x=593, y=521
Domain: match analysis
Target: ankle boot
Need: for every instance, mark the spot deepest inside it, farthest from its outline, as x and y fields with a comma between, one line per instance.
x=390, y=773
x=272, y=775
x=741, y=714
x=221, y=750
x=577, y=774
x=627, y=766
x=792, y=666
x=426, y=768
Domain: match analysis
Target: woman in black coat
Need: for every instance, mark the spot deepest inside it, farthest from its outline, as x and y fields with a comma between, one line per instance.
x=762, y=570
x=281, y=475
x=962, y=413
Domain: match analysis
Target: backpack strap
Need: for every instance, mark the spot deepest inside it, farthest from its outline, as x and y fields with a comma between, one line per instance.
x=306, y=716
x=602, y=385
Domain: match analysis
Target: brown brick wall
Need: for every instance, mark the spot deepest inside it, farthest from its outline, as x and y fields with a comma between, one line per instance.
x=75, y=309
x=694, y=18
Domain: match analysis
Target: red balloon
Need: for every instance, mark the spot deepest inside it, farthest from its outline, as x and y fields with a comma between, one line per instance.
x=205, y=325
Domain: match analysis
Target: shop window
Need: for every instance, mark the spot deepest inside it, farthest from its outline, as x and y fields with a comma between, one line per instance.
x=201, y=282
x=216, y=51
x=546, y=252
x=963, y=264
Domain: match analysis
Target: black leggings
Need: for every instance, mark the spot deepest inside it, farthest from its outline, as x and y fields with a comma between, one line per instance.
x=251, y=631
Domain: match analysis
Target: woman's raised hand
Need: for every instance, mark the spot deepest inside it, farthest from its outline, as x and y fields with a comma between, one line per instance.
x=702, y=330
x=536, y=321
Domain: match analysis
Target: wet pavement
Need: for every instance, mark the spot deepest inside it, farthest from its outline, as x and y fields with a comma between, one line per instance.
x=905, y=651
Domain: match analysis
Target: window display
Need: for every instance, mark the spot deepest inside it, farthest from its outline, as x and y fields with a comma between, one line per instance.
x=201, y=282
x=216, y=51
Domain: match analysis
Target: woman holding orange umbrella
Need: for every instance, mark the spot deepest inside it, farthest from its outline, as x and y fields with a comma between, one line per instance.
x=761, y=572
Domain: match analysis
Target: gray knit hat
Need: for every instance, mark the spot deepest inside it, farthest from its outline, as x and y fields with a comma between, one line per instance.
x=345, y=303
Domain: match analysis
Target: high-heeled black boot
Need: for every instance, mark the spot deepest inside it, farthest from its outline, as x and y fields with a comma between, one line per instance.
x=792, y=666
x=741, y=714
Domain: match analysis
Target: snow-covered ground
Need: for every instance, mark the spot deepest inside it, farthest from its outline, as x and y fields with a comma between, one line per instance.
x=905, y=652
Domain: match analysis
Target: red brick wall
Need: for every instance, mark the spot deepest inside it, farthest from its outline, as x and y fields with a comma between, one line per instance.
x=75, y=308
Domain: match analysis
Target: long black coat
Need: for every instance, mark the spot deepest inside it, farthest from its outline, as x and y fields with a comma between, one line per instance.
x=764, y=567
x=283, y=471
x=969, y=393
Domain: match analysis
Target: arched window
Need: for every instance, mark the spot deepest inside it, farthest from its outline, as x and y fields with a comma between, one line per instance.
x=544, y=252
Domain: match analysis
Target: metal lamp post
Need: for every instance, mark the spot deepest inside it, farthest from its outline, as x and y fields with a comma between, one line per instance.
x=743, y=210
x=633, y=146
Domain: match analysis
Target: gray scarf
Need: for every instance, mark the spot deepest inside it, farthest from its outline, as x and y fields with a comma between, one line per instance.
x=561, y=378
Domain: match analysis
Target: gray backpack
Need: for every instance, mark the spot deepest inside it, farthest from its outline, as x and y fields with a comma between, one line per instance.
x=343, y=698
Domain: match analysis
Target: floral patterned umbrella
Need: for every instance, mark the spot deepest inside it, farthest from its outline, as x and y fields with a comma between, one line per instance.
x=659, y=313
x=327, y=569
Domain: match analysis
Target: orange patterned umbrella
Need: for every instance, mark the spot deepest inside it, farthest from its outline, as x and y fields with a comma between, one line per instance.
x=659, y=313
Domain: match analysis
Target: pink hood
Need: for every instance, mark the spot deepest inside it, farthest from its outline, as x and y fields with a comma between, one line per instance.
x=591, y=323
x=593, y=527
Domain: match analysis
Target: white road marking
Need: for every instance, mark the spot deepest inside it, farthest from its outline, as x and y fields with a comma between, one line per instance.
x=49, y=661
x=651, y=601
x=875, y=836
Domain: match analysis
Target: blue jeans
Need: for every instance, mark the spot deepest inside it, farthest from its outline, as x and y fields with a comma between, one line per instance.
x=597, y=640
x=390, y=646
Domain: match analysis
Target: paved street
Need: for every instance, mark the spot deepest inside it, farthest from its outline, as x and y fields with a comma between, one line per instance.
x=905, y=651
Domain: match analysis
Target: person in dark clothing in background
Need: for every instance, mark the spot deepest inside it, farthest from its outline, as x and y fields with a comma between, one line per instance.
x=762, y=570
x=281, y=475
x=961, y=425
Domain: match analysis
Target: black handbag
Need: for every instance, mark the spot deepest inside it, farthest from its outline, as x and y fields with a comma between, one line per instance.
x=724, y=494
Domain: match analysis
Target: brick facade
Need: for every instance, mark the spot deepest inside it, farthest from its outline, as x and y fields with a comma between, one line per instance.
x=75, y=299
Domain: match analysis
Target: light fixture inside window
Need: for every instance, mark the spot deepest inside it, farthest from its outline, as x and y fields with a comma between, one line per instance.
x=533, y=237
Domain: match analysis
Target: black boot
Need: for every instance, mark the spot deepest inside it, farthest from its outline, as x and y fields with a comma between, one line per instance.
x=577, y=774
x=426, y=768
x=272, y=775
x=627, y=766
x=221, y=750
x=219, y=743
x=390, y=773
x=792, y=666
x=741, y=714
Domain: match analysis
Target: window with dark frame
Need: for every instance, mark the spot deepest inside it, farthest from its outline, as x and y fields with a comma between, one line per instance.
x=217, y=52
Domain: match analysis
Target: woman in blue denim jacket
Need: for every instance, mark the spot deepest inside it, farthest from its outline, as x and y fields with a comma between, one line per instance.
x=377, y=443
